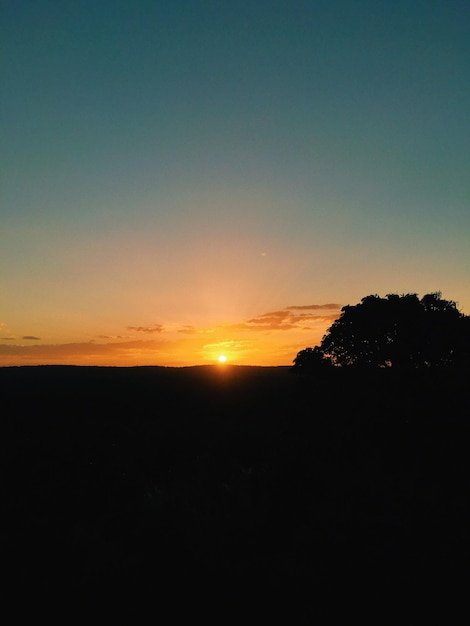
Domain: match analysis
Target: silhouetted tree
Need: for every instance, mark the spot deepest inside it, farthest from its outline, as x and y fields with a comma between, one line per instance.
x=398, y=330
x=311, y=359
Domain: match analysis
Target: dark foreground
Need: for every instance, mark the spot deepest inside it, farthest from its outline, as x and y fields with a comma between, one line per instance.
x=235, y=495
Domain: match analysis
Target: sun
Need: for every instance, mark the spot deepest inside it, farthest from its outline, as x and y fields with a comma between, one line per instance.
x=222, y=358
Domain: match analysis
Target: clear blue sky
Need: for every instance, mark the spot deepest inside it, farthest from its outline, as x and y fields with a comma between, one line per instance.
x=174, y=170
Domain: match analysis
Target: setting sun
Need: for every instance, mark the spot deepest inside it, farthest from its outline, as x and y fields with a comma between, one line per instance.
x=222, y=358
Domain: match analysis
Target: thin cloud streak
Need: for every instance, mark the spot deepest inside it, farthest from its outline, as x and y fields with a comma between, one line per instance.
x=314, y=307
x=155, y=328
x=188, y=330
x=69, y=350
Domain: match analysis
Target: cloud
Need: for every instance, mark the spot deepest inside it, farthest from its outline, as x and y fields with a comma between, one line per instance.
x=31, y=337
x=275, y=320
x=314, y=307
x=188, y=330
x=68, y=352
x=287, y=320
x=155, y=328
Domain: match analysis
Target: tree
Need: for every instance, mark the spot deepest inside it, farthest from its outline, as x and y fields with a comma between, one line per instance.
x=396, y=331
x=311, y=359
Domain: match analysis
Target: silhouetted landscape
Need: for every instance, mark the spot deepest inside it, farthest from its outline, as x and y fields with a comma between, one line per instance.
x=278, y=191
x=238, y=494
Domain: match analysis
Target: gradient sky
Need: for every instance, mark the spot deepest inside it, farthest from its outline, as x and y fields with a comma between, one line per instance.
x=181, y=179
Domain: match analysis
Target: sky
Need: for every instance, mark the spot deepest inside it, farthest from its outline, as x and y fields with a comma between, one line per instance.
x=181, y=179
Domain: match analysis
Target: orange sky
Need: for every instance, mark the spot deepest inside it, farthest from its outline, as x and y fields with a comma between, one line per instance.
x=272, y=338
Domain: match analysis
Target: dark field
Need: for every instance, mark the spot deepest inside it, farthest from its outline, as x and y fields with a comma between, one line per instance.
x=235, y=495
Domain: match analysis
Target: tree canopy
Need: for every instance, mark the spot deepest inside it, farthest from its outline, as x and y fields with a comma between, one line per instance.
x=399, y=331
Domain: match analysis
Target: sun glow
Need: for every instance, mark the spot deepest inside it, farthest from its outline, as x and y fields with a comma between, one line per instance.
x=222, y=358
